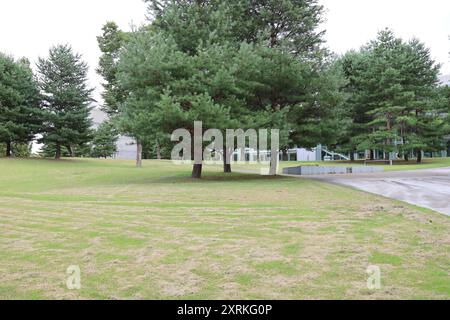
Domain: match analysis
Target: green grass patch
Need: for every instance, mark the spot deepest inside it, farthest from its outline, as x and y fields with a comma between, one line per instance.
x=384, y=258
x=154, y=233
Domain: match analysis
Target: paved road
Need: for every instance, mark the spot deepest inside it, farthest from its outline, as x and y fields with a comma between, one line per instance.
x=424, y=188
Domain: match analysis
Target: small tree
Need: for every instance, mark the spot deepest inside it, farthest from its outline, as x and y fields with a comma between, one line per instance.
x=104, y=144
x=66, y=99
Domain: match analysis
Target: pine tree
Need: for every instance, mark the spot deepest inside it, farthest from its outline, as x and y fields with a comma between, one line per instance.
x=280, y=45
x=110, y=43
x=292, y=24
x=104, y=143
x=166, y=89
x=66, y=99
x=392, y=87
x=20, y=113
x=355, y=109
x=114, y=95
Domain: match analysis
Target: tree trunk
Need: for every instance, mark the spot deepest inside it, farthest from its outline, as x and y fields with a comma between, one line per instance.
x=197, y=171
x=284, y=157
x=70, y=149
x=58, y=151
x=406, y=156
x=273, y=39
x=419, y=156
x=8, y=149
x=138, y=154
x=158, y=151
x=372, y=155
x=226, y=160
x=352, y=156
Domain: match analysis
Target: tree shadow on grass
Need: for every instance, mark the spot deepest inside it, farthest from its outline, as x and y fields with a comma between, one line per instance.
x=210, y=178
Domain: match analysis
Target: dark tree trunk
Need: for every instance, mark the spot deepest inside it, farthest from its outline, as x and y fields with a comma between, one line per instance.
x=197, y=171
x=8, y=149
x=138, y=154
x=158, y=151
x=352, y=156
x=197, y=156
x=70, y=149
x=273, y=39
x=58, y=152
x=372, y=155
x=226, y=160
x=285, y=155
x=419, y=156
x=406, y=156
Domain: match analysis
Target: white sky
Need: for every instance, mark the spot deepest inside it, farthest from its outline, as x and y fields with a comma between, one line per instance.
x=352, y=23
x=29, y=27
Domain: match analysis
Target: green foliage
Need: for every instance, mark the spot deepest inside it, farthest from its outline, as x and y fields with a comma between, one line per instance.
x=110, y=43
x=104, y=143
x=291, y=24
x=49, y=150
x=443, y=107
x=20, y=114
x=393, y=103
x=66, y=99
x=20, y=150
x=75, y=151
x=250, y=68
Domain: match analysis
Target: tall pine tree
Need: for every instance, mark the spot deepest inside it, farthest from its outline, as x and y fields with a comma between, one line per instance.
x=392, y=88
x=20, y=113
x=66, y=99
x=281, y=45
x=110, y=43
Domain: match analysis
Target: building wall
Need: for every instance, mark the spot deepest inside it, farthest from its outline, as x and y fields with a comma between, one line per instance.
x=126, y=146
x=126, y=149
x=306, y=155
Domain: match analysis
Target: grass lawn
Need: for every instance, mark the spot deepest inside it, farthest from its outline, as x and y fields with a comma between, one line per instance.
x=153, y=233
x=398, y=165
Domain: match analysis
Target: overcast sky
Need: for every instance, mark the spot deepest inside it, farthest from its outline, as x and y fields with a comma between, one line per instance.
x=29, y=27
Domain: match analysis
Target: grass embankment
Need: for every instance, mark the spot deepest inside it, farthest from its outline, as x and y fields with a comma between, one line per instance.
x=153, y=233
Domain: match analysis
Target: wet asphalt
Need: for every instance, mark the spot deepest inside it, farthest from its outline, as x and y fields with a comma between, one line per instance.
x=425, y=188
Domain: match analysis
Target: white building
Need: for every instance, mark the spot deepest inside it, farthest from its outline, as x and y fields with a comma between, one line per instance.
x=126, y=146
x=318, y=153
